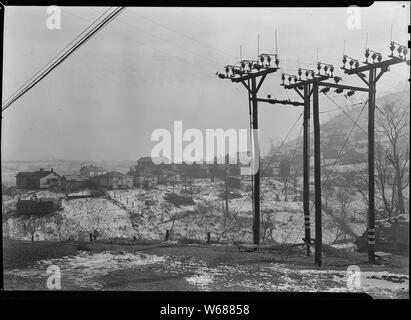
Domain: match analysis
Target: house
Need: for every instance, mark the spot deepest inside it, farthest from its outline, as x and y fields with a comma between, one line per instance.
x=113, y=180
x=166, y=176
x=91, y=171
x=38, y=205
x=145, y=179
x=41, y=179
x=74, y=181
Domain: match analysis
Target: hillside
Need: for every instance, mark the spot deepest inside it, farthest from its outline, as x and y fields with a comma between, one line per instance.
x=340, y=123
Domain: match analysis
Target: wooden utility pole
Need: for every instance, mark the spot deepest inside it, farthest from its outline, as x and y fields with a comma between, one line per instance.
x=317, y=177
x=306, y=168
x=310, y=87
x=371, y=167
x=257, y=156
x=315, y=80
x=226, y=197
x=377, y=65
x=250, y=70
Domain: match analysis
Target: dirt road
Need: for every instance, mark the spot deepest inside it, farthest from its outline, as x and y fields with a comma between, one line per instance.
x=171, y=266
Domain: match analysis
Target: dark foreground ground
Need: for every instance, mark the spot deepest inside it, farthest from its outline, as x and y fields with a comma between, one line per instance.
x=167, y=266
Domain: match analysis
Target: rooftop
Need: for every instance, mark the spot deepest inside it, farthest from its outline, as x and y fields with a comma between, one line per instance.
x=36, y=174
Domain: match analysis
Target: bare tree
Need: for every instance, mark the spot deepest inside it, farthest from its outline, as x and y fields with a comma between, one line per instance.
x=343, y=197
x=267, y=226
x=385, y=184
x=295, y=180
x=393, y=124
x=381, y=207
x=285, y=168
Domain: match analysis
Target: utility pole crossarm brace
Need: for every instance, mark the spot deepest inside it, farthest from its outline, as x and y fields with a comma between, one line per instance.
x=285, y=102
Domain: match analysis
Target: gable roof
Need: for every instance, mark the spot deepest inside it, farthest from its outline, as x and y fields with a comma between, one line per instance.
x=36, y=174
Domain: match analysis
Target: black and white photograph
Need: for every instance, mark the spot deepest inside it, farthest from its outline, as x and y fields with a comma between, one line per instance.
x=206, y=149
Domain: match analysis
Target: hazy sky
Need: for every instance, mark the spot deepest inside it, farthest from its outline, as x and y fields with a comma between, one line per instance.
x=151, y=66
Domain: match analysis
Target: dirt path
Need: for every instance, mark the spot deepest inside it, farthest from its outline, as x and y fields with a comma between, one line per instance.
x=172, y=267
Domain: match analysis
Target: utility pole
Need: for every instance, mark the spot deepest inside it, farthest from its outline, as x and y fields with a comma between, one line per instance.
x=310, y=87
x=374, y=67
x=317, y=177
x=315, y=81
x=226, y=198
x=251, y=70
x=257, y=216
x=306, y=168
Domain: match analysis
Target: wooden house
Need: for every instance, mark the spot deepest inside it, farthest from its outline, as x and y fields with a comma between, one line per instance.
x=41, y=179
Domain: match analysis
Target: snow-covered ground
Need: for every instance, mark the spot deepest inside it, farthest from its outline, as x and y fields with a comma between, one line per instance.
x=145, y=214
x=78, y=218
x=87, y=271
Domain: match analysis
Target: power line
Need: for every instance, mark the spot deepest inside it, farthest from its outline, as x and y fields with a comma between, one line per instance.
x=82, y=41
x=199, y=66
x=292, y=157
x=239, y=207
x=204, y=58
x=334, y=164
x=377, y=143
x=346, y=141
x=338, y=109
x=282, y=144
x=50, y=61
x=183, y=35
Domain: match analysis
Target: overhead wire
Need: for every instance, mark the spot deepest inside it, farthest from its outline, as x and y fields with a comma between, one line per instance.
x=329, y=172
x=55, y=56
x=77, y=45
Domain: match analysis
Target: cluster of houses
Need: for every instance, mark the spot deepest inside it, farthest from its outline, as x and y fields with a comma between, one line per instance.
x=145, y=174
x=89, y=176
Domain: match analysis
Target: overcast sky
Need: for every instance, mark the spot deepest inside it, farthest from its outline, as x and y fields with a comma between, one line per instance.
x=151, y=66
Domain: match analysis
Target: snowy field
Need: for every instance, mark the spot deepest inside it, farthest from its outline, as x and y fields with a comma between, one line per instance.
x=145, y=214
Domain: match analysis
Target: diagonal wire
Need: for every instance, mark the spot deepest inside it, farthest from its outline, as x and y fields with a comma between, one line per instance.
x=331, y=171
x=82, y=41
x=53, y=58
